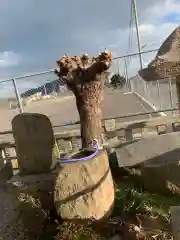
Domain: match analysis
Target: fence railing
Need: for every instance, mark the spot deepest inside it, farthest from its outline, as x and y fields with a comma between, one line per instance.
x=114, y=132
x=160, y=94
x=26, y=93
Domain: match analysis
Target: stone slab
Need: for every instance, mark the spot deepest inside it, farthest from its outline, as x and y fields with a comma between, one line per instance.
x=110, y=125
x=175, y=222
x=164, y=147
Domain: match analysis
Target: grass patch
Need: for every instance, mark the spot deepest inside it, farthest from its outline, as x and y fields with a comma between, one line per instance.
x=36, y=224
x=135, y=201
x=129, y=200
x=72, y=231
x=55, y=152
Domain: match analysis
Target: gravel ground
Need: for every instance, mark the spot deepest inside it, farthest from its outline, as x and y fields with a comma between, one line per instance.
x=8, y=212
x=115, y=104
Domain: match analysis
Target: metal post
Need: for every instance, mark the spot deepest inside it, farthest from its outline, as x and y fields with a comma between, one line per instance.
x=126, y=75
x=159, y=94
x=138, y=41
x=170, y=93
x=45, y=91
x=135, y=54
x=17, y=96
x=137, y=32
x=118, y=67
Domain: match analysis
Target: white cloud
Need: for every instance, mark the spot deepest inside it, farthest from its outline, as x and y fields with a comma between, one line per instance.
x=159, y=10
x=156, y=37
x=99, y=24
x=9, y=59
x=146, y=29
x=153, y=31
x=152, y=36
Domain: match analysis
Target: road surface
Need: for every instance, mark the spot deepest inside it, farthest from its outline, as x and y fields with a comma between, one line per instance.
x=116, y=103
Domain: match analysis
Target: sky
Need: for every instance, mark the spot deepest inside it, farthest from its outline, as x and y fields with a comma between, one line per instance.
x=34, y=34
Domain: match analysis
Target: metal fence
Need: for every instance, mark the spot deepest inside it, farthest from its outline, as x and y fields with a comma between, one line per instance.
x=160, y=94
x=41, y=91
x=30, y=93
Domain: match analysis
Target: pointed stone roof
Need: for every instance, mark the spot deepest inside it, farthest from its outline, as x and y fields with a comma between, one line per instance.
x=167, y=61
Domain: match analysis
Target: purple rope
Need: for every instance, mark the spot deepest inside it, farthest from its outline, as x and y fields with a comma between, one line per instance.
x=66, y=160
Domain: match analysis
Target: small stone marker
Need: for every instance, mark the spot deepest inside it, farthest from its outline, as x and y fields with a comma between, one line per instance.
x=76, y=143
x=60, y=143
x=34, y=140
x=110, y=125
x=161, y=129
x=176, y=126
x=64, y=146
x=68, y=146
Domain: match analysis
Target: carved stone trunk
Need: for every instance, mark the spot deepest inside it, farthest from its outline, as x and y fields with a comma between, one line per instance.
x=84, y=189
x=34, y=140
x=90, y=111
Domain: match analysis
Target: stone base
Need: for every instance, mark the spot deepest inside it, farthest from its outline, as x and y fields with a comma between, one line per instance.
x=84, y=190
x=75, y=191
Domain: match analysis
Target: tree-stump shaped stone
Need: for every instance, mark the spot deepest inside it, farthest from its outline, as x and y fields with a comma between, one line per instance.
x=85, y=76
x=84, y=189
x=34, y=140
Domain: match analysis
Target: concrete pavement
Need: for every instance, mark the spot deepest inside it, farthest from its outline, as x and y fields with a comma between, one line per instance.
x=116, y=103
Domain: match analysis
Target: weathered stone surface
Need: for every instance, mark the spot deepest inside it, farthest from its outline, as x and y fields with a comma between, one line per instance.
x=76, y=143
x=175, y=222
x=65, y=146
x=157, y=158
x=110, y=125
x=84, y=189
x=34, y=140
x=176, y=126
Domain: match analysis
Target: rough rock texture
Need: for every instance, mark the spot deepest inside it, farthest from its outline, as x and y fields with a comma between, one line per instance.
x=175, y=223
x=85, y=76
x=34, y=141
x=154, y=162
x=166, y=63
x=85, y=190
